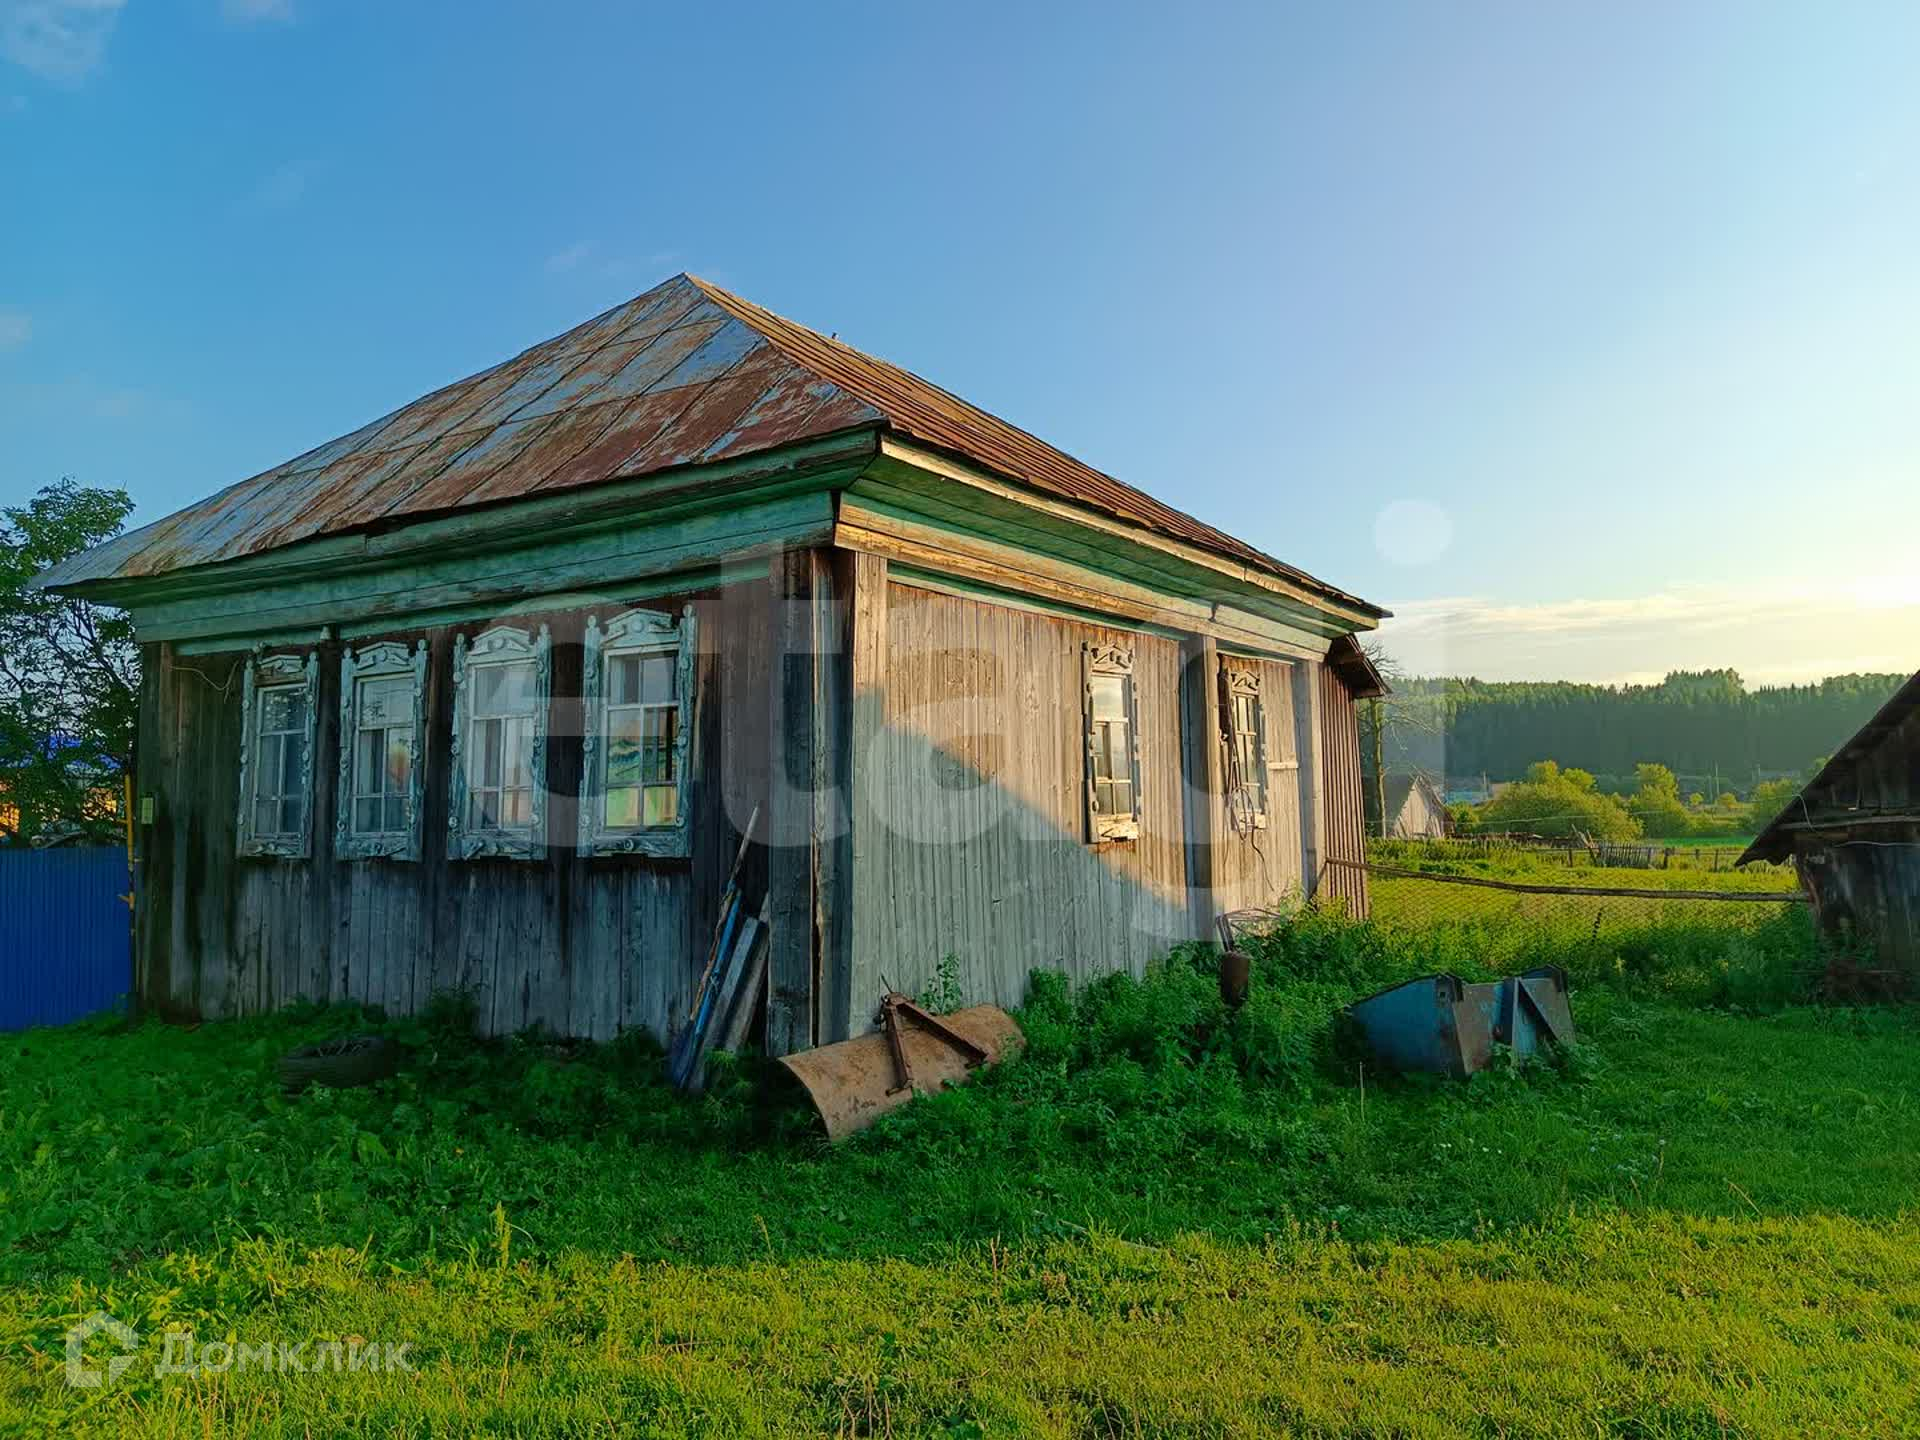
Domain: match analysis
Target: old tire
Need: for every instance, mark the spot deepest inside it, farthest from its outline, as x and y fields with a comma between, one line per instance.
x=340, y=1064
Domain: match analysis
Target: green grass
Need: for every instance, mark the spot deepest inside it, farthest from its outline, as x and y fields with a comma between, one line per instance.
x=1166, y=1220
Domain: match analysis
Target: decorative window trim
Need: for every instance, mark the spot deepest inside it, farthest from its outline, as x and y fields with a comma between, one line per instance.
x=1246, y=794
x=501, y=645
x=271, y=672
x=634, y=632
x=1109, y=660
x=375, y=662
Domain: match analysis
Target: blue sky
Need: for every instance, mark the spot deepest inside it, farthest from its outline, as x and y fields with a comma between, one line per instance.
x=1583, y=335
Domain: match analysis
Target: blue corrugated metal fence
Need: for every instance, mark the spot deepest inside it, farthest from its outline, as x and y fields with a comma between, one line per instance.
x=66, y=950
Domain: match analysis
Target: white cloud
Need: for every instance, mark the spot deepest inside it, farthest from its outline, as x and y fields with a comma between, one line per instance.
x=1774, y=634
x=251, y=12
x=562, y=261
x=62, y=40
x=16, y=328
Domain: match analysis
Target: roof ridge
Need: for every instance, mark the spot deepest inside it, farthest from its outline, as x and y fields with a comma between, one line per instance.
x=1128, y=502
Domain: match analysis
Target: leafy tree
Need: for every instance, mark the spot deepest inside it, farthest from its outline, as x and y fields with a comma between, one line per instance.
x=1770, y=797
x=1657, y=805
x=69, y=670
x=1556, y=802
x=1701, y=723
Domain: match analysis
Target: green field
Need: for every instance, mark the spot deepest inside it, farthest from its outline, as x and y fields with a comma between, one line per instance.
x=1166, y=1220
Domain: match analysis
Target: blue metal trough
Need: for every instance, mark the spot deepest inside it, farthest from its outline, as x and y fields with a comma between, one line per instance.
x=1443, y=1024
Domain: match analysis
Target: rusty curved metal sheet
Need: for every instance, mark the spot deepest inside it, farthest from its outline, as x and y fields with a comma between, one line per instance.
x=685, y=374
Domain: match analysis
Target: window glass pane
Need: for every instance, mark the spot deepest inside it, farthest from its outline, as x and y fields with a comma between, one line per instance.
x=366, y=763
x=1109, y=697
x=266, y=814
x=623, y=808
x=366, y=816
x=623, y=679
x=519, y=753
x=293, y=756
x=662, y=804
x=293, y=815
x=396, y=814
x=487, y=683
x=658, y=726
x=517, y=688
x=1122, y=798
x=1103, y=796
x=657, y=678
x=623, y=747
x=386, y=702
x=267, y=767
x=399, y=760
x=486, y=809
x=518, y=808
x=492, y=734
x=284, y=707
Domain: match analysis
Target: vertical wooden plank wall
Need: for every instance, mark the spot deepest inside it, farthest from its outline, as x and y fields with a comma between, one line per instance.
x=582, y=947
x=1346, y=826
x=1262, y=867
x=969, y=805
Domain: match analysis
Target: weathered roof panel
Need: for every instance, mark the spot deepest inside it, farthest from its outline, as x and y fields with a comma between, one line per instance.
x=1775, y=843
x=686, y=373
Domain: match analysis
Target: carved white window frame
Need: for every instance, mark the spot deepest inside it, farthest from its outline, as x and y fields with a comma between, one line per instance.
x=1110, y=660
x=378, y=662
x=275, y=672
x=644, y=632
x=501, y=645
x=1246, y=788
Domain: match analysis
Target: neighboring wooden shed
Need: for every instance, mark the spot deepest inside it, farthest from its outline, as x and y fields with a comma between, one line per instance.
x=1415, y=808
x=1854, y=834
x=483, y=695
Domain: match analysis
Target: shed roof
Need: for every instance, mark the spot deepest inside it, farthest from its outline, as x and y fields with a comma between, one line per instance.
x=1776, y=841
x=685, y=374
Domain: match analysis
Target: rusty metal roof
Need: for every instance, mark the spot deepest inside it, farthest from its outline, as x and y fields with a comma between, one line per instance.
x=685, y=374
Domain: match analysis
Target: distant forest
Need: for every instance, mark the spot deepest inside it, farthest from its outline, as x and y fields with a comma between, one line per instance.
x=1695, y=723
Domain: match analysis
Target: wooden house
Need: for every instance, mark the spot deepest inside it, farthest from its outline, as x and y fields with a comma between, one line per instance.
x=1415, y=808
x=484, y=694
x=1854, y=835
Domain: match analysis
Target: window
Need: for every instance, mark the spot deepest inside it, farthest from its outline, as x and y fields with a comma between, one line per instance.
x=497, y=793
x=382, y=730
x=276, y=755
x=639, y=695
x=1244, y=730
x=1113, y=745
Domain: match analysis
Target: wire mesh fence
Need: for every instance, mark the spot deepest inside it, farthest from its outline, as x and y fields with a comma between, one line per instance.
x=1685, y=934
x=1579, y=853
x=1406, y=896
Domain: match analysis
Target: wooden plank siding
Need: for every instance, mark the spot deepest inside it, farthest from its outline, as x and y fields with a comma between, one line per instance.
x=1856, y=844
x=1343, y=790
x=970, y=809
x=589, y=947
x=1263, y=866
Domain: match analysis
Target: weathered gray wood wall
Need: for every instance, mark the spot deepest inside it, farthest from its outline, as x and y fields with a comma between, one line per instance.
x=585, y=947
x=1860, y=860
x=1342, y=796
x=1262, y=867
x=969, y=810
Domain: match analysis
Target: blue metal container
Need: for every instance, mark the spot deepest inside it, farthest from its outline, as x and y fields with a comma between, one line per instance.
x=65, y=934
x=1442, y=1024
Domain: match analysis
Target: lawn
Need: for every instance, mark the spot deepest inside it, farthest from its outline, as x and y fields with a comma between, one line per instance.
x=1166, y=1220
